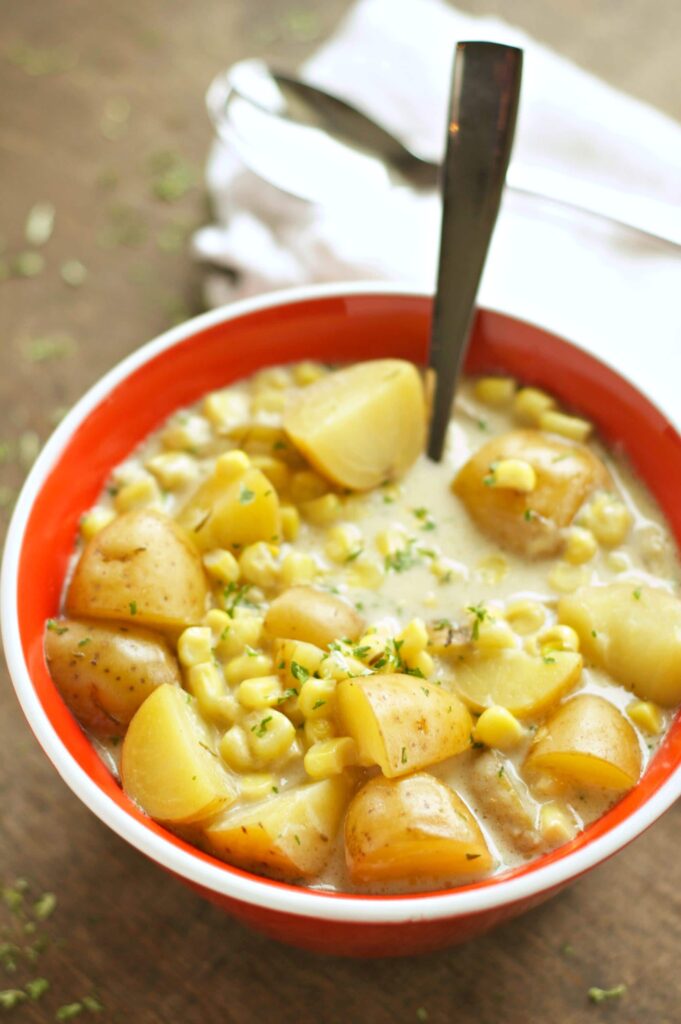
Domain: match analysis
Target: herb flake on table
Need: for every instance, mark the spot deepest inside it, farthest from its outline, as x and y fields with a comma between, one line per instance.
x=600, y=995
x=39, y=224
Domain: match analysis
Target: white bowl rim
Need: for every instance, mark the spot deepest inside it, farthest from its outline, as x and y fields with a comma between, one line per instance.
x=302, y=902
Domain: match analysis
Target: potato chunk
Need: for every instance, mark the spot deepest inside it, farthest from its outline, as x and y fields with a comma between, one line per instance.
x=416, y=827
x=289, y=835
x=506, y=801
x=104, y=672
x=233, y=511
x=587, y=742
x=142, y=568
x=167, y=766
x=524, y=684
x=632, y=632
x=361, y=425
x=401, y=723
x=314, y=616
x=530, y=523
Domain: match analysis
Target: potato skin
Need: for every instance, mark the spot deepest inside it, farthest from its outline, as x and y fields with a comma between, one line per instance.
x=142, y=568
x=409, y=828
x=530, y=524
x=314, y=616
x=105, y=672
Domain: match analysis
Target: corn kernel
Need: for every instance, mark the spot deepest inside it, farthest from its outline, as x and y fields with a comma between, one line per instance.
x=494, y=635
x=496, y=391
x=307, y=373
x=339, y=666
x=234, y=749
x=225, y=409
x=173, y=470
x=557, y=638
x=317, y=697
x=231, y=465
x=513, y=475
x=276, y=471
x=424, y=664
x=566, y=578
x=257, y=786
x=330, y=757
x=318, y=729
x=248, y=666
x=647, y=716
x=556, y=824
x=322, y=511
x=261, y=692
x=530, y=403
x=269, y=733
x=95, y=520
x=343, y=543
x=274, y=377
x=567, y=426
x=290, y=522
x=493, y=569
x=296, y=652
x=618, y=561
x=221, y=565
x=497, y=727
x=258, y=564
x=205, y=682
x=238, y=633
x=446, y=570
x=140, y=493
x=390, y=541
x=525, y=616
x=306, y=486
x=371, y=646
x=413, y=639
x=187, y=433
x=609, y=520
x=268, y=400
x=195, y=646
x=298, y=568
x=365, y=572
x=580, y=546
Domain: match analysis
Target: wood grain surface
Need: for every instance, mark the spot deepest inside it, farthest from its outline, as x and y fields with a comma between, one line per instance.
x=146, y=947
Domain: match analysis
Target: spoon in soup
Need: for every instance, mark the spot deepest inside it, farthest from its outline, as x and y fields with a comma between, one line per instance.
x=483, y=106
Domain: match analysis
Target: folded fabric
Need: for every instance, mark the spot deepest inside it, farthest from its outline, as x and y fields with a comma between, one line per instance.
x=608, y=288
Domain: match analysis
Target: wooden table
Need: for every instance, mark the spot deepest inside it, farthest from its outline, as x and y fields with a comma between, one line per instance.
x=90, y=95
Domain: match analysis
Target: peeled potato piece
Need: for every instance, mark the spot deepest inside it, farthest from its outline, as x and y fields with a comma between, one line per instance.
x=506, y=801
x=315, y=616
x=401, y=723
x=412, y=828
x=233, y=513
x=361, y=425
x=587, y=742
x=142, y=568
x=104, y=672
x=167, y=766
x=289, y=835
x=524, y=684
x=632, y=632
x=530, y=523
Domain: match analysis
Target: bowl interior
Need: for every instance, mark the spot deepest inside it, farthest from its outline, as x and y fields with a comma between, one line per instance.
x=335, y=328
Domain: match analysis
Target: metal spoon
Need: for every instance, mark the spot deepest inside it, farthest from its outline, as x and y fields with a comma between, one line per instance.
x=482, y=114
x=307, y=142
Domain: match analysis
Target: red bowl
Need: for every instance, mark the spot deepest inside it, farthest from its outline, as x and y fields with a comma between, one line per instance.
x=336, y=323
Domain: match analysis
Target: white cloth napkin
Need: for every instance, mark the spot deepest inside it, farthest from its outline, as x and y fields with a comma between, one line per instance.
x=607, y=288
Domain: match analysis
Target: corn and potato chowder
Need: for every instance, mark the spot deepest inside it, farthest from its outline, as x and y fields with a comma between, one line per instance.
x=321, y=657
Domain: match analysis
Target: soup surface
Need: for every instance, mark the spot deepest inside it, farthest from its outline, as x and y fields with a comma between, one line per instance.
x=318, y=655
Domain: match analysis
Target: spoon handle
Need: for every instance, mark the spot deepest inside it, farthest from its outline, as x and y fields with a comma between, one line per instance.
x=482, y=114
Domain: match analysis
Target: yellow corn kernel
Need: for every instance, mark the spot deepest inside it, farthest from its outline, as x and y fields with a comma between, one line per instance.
x=497, y=727
x=365, y=572
x=173, y=470
x=307, y=373
x=530, y=403
x=205, y=682
x=275, y=378
x=609, y=520
x=573, y=427
x=257, y=785
x=566, y=578
x=276, y=471
x=513, y=475
x=496, y=391
x=318, y=729
x=195, y=646
x=238, y=633
x=261, y=692
x=317, y=697
x=231, y=465
x=647, y=716
x=413, y=640
x=258, y=564
x=95, y=520
x=290, y=522
x=234, y=749
x=297, y=568
x=446, y=570
x=580, y=546
x=525, y=616
x=187, y=433
x=618, y=561
x=248, y=666
x=298, y=653
x=268, y=400
x=330, y=757
x=322, y=511
x=307, y=485
x=138, y=493
x=225, y=409
x=217, y=621
x=221, y=565
x=370, y=647
x=339, y=666
x=424, y=664
x=557, y=638
x=493, y=635
x=343, y=543
x=493, y=568
x=390, y=541
x=556, y=824
x=269, y=733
